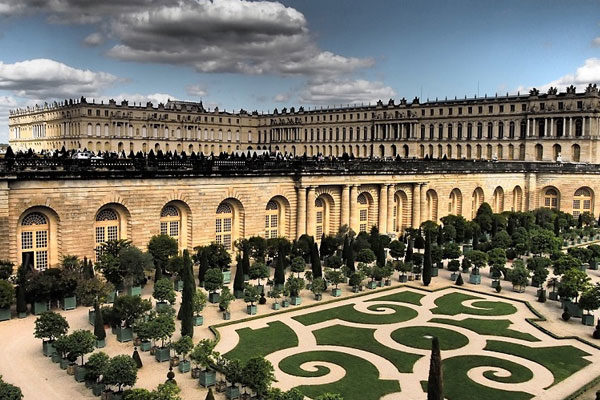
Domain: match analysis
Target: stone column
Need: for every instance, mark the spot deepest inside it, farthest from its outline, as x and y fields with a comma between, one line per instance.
x=527, y=133
x=390, y=209
x=345, y=209
x=353, y=208
x=570, y=126
x=416, y=205
x=545, y=127
x=382, y=220
x=310, y=212
x=564, y=127
x=423, y=199
x=551, y=127
x=301, y=211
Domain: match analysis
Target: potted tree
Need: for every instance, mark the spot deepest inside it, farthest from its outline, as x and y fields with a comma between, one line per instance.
x=62, y=345
x=120, y=371
x=318, y=286
x=7, y=297
x=589, y=301
x=335, y=277
x=144, y=332
x=366, y=256
x=198, y=306
x=49, y=326
x=417, y=260
x=251, y=295
x=294, y=285
x=519, y=276
x=183, y=347
x=175, y=269
x=453, y=267
x=135, y=264
x=572, y=283
x=99, y=331
x=275, y=294
x=356, y=280
x=163, y=327
x=213, y=281
x=164, y=294
x=403, y=268
x=233, y=370
x=81, y=343
x=95, y=367
x=298, y=265
x=387, y=273
x=226, y=298
x=258, y=375
x=67, y=284
x=126, y=310
x=478, y=259
x=203, y=356
x=259, y=271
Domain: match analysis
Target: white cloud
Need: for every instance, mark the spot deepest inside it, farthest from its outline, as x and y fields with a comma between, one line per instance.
x=48, y=79
x=7, y=103
x=196, y=90
x=588, y=73
x=281, y=97
x=596, y=42
x=93, y=39
x=342, y=91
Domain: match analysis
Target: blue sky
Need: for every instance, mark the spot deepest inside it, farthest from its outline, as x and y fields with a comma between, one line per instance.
x=261, y=55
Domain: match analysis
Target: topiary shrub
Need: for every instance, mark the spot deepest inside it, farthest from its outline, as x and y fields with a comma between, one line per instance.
x=459, y=280
x=566, y=316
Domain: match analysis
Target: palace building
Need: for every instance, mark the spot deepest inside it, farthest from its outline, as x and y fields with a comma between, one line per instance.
x=525, y=127
x=426, y=161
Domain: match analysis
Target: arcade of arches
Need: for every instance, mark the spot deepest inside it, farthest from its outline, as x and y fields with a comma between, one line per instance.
x=44, y=219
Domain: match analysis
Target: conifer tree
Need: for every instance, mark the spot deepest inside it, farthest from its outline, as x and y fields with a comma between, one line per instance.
x=350, y=258
x=459, y=280
x=245, y=261
x=380, y=252
x=203, y=265
x=238, y=280
x=427, y=260
x=210, y=395
x=316, y=262
x=186, y=311
x=279, y=270
x=435, y=389
x=99, y=331
x=409, y=252
x=21, y=301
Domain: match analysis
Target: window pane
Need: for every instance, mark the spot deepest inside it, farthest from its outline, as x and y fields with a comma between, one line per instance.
x=41, y=239
x=112, y=232
x=100, y=234
x=163, y=228
x=41, y=260
x=26, y=240
x=174, y=228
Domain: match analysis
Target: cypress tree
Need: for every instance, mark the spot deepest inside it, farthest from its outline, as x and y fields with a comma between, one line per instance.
x=238, y=280
x=99, y=331
x=345, y=249
x=316, y=262
x=440, y=236
x=279, y=271
x=350, y=259
x=435, y=390
x=322, y=242
x=186, y=311
x=245, y=261
x=21, y=302
x=427, y=261
x=380, y=252
x=203, y=265
x=409, y=252
x=88, y=269
x=210, y=395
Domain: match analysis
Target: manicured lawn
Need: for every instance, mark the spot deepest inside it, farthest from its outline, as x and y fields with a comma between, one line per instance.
x=451, y=304
x=496, y=327
x=263, y=341
x=361, y=381
x=406, y=296
x=348, y=313
x=362, y=338
x=414, y=336
x=562, y=361
x=458, y=386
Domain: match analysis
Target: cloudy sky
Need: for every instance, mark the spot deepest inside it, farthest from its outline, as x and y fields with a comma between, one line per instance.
x=264, y=54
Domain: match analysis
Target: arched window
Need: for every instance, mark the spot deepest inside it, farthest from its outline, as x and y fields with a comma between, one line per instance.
x=551, y=198
x=321, y=220
x=106, y=227
x=363, y=212
x=517, y=199
x=582, y=202
x=272, y=220
x=539, y=152
x=34, y=240
x=477, y=201
x=455, y=203
x=224, y=225
x=170, y=220
x=432, y=205
x=575, y=153
x=401, y=213
x=498, y=202
x=556, y=150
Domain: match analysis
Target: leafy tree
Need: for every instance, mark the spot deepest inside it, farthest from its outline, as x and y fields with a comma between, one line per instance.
x=6, y=269
x=518, y=275
x=544, y=242
x=496, y=259
x=448, y=233
x=162, y=247
x=186, y=311
x=162, y=326
x=9, y=392
x=90, y=290
x=251, y=294
x=564, y=263
x=258, y=248
x=50, y=326
x=484, y=217
x=258, y=375
x=218, y=256
x=134, y=263
x=333, y=261
x=572, y=283
x=397, y=249
x=7, y=294
x=590, y=298
x=99, y=331
x=318, y=286
x=95, y=366
x=202, y=259
x=477, y=258
x=294, y=285
x=120, y=371
x=298, y=265
x=366, y=256
x=259, y=271
x=163, y=291
x=501, y=240
x=183, y=346
x=304, y=246
x=82, y=342
x=329, y=245
x=127, y=309
x=203, y=354
x=234, y=371
x=213, y=280
x=334, y=276
x=451, y=251
x=199, y=301
x=175, y=266
x=226, y=298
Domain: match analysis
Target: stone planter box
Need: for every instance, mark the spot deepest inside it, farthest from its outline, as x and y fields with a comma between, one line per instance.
x=495, y=283
x=55, y=358
x=226, y=277
x=100, y=344
x=587, y=319
x=573, y=309
x=134, y=291
x=372, y=285
x=519, y=288
x=40, y=307
x=124, y=334
x=336, y=292
x=251, y=310
x=553, y=296
x=207, y=378
x=145, y=345
x=295, y=300
x=162, y=306
x=64, y=363
x=318, y=297
x=232, y=392
x=162, y=354
x=403, y=278
x=97, y=388
x=4, y=314
x=276, y=306
x=69, y=303
x=178, y=285
x=48, y=348
x=434, y=271
x=285, y=303
x=453, y=276
x=198, y=320
x=475, y=279
x=214, y=297
x=226, y=315
x=80, y=372
x=184, y=366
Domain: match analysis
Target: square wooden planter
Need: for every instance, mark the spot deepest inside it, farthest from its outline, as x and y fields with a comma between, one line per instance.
x=124, y=334
x=40, y=307
x=4, y=314
x=198, y=320
x=134, y=291
x=226, y=277
x=48, y=348
x=145, y=346
x=184, y=366
x=69, y=303
x=162, y=354
x=207, y=378
x=276, y=306
x=214, y=297
x=251, y=310
x=80, y=372
x=232, y=392
x=587, y=319
x=336, y=292
x=295, y=300
x=475, y=279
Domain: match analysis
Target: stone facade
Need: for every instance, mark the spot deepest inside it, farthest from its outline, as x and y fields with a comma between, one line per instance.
x=239, y=198
x=528, y=127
